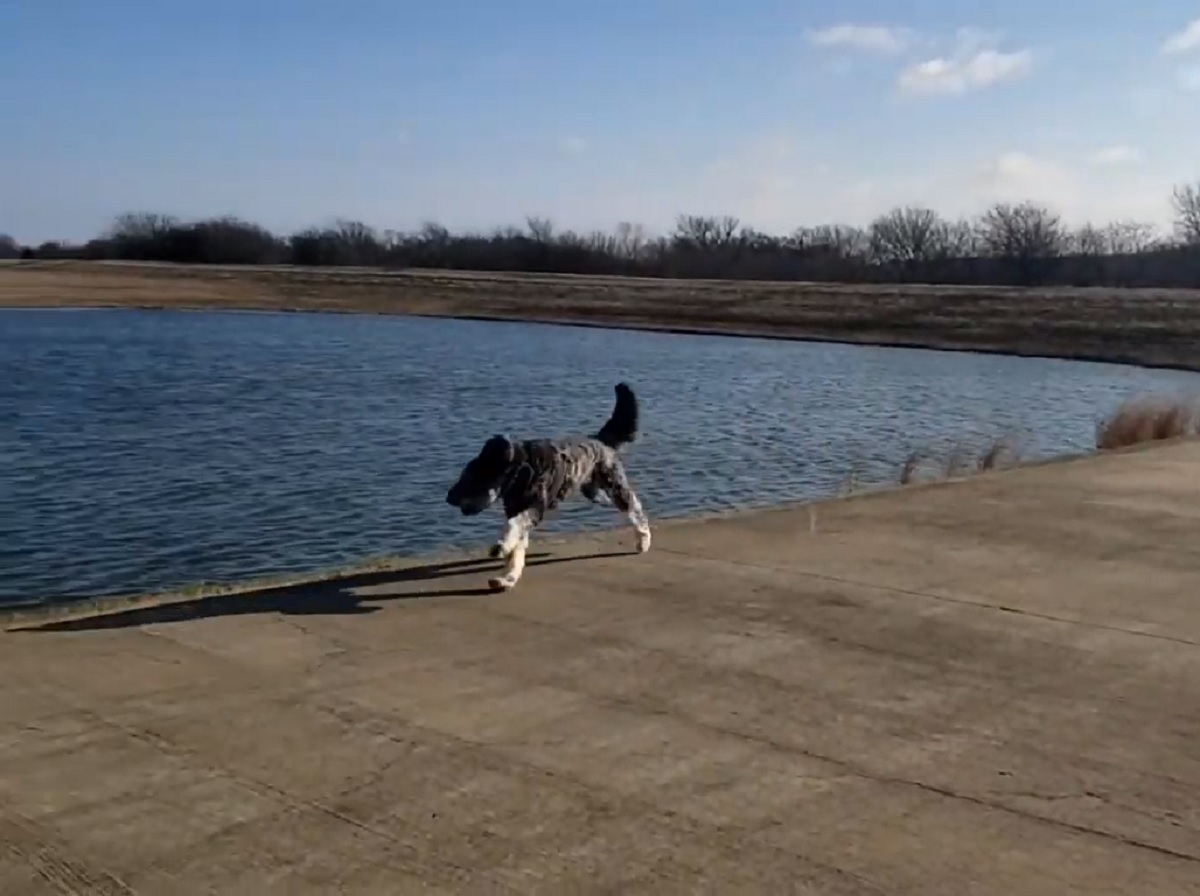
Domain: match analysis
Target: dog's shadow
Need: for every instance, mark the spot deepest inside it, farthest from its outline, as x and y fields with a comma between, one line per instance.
x=340, y=597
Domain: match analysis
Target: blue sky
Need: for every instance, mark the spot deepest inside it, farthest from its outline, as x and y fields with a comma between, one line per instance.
x=476, y=114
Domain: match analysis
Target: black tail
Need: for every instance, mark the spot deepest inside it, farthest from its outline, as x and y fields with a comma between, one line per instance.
x=622, y=426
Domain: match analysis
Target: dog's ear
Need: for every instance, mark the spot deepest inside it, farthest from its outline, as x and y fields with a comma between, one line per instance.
x=498, y=450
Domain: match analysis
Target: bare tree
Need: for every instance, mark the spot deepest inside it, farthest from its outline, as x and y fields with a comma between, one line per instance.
x=757, y=241
x=1116, y=238
x=908, y=236
x=658, y=251
x=141, y=236
x=141, y=226
x=434, y=234
x=9, y=247
x=355, y=232
x=598, y=242
x=1088, y=240
x=841, y=241
x=508, y=233
x=962, y=239
x=1186, y=201
x=1089, y=247
x=630, y=240
x=541, y=230
x=1028, y=236
x=705, y=232
x=1130, y=237
x=358, y=242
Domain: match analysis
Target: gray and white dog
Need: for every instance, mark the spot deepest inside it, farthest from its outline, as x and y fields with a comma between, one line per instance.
x=531, y=477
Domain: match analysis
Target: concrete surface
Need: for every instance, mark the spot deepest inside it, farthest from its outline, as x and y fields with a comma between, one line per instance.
x=986, y=687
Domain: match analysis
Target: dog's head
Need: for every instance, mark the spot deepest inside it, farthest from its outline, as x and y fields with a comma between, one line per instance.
x=483, y=479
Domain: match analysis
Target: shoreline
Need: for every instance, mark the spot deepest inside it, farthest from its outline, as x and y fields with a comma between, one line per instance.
x=14, y=617
x=1152, y=328
x=681, y=330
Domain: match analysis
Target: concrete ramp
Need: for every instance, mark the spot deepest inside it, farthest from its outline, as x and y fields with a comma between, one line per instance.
x=987, y=687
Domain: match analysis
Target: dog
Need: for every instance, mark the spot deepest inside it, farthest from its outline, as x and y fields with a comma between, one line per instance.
x=532, y=477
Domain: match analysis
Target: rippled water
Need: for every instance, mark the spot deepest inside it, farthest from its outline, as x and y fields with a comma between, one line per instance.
x=149, y=450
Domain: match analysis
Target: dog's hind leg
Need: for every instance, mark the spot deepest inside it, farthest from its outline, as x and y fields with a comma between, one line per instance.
x=626, y=500
x=504, y=546
x=594, y=492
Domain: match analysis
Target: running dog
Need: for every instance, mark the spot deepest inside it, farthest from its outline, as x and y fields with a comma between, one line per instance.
x=532, y=477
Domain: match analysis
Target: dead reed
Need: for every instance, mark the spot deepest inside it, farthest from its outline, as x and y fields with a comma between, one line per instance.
x=1148, y=419
x=959, y=461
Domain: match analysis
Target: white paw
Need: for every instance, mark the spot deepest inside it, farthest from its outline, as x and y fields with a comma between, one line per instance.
x=502, y=583
x=643, y=542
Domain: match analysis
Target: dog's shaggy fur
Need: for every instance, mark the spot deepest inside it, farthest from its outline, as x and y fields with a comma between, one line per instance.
x=534, y=476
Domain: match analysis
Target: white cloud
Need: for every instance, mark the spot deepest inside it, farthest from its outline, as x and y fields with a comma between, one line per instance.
x=882, y=39
x=973, y=61
x=1185, y=40
x=574, y=146
x=1118, y=154
x=960, y=74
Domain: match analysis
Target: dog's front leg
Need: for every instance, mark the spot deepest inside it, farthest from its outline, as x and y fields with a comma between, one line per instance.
x=513, y=546
x=626, y=501
x=516, y=566
x=515, y=528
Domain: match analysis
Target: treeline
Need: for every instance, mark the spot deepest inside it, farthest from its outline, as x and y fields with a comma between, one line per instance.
x=1011, y=243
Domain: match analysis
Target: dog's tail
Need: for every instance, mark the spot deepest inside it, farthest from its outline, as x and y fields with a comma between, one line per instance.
x=622, y=425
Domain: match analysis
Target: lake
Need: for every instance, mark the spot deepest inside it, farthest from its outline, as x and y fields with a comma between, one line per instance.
x=142, y=451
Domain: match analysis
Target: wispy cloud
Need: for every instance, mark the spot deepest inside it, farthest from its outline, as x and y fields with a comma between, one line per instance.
x=881, y=39
x=950, y=76
x=1185, y=40
x=1118, y=154
x=973, y=63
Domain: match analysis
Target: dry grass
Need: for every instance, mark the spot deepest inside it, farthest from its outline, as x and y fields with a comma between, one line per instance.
x=1148, y=419
x=908, y=473
x=991, y=458
x=850, y=483
x=960, y=460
